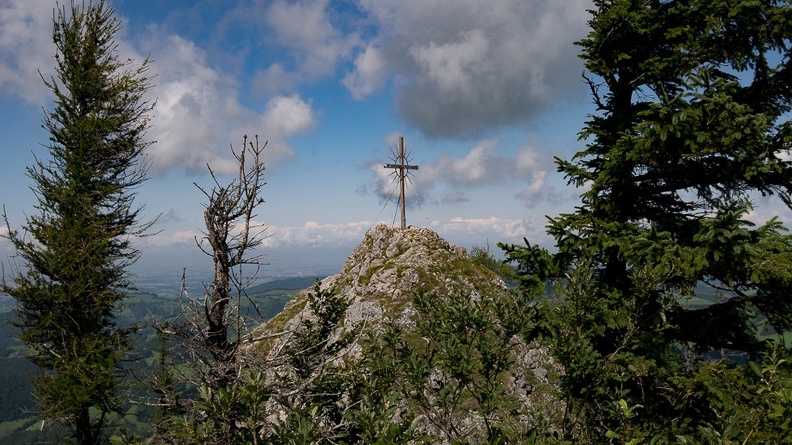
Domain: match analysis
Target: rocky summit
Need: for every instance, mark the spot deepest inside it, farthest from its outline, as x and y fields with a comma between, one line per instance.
x=384, y=272
x=379, y=283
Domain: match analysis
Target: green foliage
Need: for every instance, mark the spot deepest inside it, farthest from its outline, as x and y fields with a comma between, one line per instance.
x=483, y=257
x=613, y=391
x=235, y=414
x=302, y=383
x=773, y=414
x=448, y=375
x=691, y=126
x=314, y=341
x=318, y=386
x=74, y=253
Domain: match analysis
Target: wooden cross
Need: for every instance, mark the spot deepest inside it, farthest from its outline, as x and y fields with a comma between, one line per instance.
x=402, y=168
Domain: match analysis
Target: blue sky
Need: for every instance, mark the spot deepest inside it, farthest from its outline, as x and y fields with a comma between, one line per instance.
x=485, y=94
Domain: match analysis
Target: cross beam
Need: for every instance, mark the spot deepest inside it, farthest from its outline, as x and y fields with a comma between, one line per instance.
x=402, y=168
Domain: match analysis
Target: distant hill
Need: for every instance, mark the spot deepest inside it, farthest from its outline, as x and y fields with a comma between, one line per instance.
x=18, y=420
x=294, y=283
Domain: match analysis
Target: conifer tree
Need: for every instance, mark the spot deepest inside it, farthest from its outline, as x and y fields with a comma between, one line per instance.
x=691, y=128
x=72, y=256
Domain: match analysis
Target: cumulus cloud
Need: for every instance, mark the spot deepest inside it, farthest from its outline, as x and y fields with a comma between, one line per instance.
x=479, y=167
x=384, y=184
x=274, y=79
x=198, y=114
x=305, y=27
x=369, y=75
x=282, y=118
x=462, y=66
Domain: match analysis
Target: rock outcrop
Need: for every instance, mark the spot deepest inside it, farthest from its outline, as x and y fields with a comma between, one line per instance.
x=379, y=281
x=383, y=273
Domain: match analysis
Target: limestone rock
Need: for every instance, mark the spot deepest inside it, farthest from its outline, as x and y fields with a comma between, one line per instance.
x=381, y=277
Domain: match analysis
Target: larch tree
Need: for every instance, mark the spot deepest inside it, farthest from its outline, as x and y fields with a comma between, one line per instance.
x=691, y=130
x=72, y=256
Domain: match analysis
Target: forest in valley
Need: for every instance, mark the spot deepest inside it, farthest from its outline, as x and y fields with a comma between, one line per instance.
x=19, y=422
x=661, y=313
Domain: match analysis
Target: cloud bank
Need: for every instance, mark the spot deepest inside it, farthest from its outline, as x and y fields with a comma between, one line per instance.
x=315, y=234
x=459, y=68
x=198, y=109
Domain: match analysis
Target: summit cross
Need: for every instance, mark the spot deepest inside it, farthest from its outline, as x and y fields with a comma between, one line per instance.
x=402, y=168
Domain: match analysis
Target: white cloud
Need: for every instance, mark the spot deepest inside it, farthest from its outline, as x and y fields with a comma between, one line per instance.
x=285, y=43
x=494, y=229
x=7, y=252
x=463, y=66
x=536, y=185
x=451, y=65
x=383, y=181
x=369, y=75
x=274, y=79
x=305, y=27
x=285, y=117
x=198, y=114
x=314, y=234
x=767, y=208
x=26, y=48
x=5, y=244
x=479, y=167
x=306, y=30
x=316, y=243
x=311, y=234
x=785, y=155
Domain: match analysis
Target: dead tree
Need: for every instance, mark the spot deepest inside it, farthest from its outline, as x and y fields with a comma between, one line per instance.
x=209, y=332
x=230, y=236
x=211, y=328
x=229, y=218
